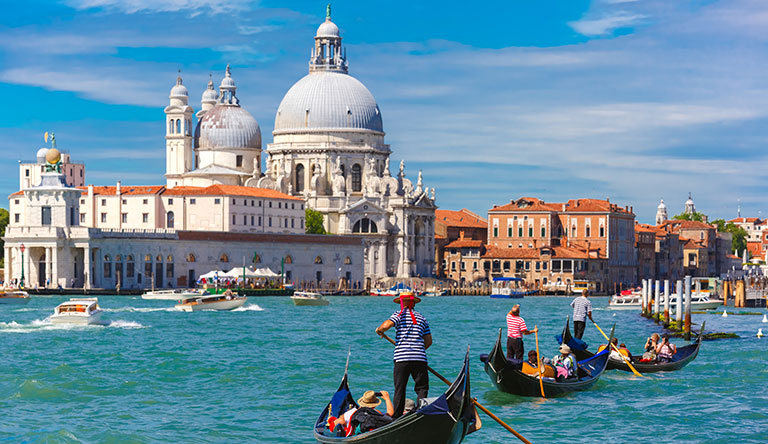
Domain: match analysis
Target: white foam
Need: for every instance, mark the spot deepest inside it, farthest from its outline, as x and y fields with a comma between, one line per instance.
x=125, y=324
x=138, y=309
x=249, y=307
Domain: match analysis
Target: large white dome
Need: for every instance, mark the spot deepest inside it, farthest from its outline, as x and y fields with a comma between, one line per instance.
x=328, y=100
x=225, y=127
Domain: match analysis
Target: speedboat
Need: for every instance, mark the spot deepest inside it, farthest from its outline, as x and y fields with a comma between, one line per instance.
x=173, y=295
x=434, y=291
x=224, y=301
x=308, y=298
x=17, y=297
x=699, y=301
x=557, y=287
x=80, y=311
x=627, y=300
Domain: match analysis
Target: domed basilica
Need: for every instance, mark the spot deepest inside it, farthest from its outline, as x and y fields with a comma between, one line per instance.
x=328, y=148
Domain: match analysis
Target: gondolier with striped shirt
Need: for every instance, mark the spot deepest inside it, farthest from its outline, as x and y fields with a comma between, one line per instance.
x=412, y=339
x=516, y=328
x=582, y=309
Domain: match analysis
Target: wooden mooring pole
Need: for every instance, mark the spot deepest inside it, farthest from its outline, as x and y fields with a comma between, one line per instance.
x=679, y=306
x=667, y=297
x=656, y=301
x=687, y=327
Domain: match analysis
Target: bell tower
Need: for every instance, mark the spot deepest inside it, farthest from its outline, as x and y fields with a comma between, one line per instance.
x=178, y=135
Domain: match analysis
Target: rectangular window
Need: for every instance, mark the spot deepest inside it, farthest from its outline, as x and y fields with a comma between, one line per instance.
x=293, y=206
x=238, y=161
x=302, y=223
x=567, y=266
x=103, y=217
x=253, y=202
x=26, y=172
x=46, y=216
x=279, y=205
x=588, y=231
x=519, y=231
x=292, y=222
x=233, y=220
x=453, y=265
x=302, y=206
x=463, y=266
x=556, y=264
x=259, y=203
x=170, y=201
x=602, y=231
x=252, y=219
x=130, y=269
x=82, y=218
x=259, y=220
x=543, y=231
x=145, y=201
x=245, y=219
x=103, y=202
x=530, y=231
x=538, y=265
x=124, y=217
x=270, y=221
x=216, y=201
x=16, y=218
x=107, y=270
x=194, y=201
x=16, y=201
x=82, y=202
x=270, y=204
x=527, y=265
x=169, y=270
x=145, y=217
x=474, y=265
x=544, y=265
x=125, y=201
x=509, y=231
x=495, y=231
x=234, y=202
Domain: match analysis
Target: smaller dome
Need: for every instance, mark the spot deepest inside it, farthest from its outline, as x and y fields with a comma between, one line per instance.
x=210, y=94
x=179, y=90
x=228, y=82
x=662, y=206
x=327, y=29
x=41, y=155
x=53, y=156
x=227, y=127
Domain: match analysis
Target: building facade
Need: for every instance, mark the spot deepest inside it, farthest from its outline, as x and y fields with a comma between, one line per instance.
x=451, y=226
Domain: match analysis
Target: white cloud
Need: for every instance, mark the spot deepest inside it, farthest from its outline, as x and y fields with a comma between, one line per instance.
x=134, y=6
x=605, y=25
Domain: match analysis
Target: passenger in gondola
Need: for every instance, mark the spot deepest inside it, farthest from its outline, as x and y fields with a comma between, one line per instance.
x=348, y=423
x=413, y=337
x=516, y=328
x=565, y=363
x=665, y=351
x=625, y=351
x=650, y=348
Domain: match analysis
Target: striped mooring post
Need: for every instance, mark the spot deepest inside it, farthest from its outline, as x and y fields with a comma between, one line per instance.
x=687, y=326
x=656, y=302
x=679, y=306
x=667, y=297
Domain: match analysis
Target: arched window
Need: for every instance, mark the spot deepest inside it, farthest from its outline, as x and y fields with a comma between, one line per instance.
x=318, y=260
x=178, y=126
x=169, y=258
x=347, y=261
x=170, y=126
x=107, y=258
x=190, y=257
x=147, y=258
x=299, y=178
x=288, y=260
x=256, y=258
x=189, y=127
x=159, y=258
x=365, y=225
x=224, y=257
x=169, y=220
x=357, y=178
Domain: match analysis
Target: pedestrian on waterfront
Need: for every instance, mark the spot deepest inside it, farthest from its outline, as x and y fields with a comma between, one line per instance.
x=515, y=330
x=582, y=309
x=412, y=339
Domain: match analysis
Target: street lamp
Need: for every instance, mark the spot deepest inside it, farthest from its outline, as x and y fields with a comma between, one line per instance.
x=21, y=282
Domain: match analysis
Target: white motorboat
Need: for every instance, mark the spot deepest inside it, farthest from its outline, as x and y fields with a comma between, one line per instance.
x=434, y=291
x=80, y=311
x=173, y=295
x=699, y=301
x=557, y=287
x=627, y=300
x=224, y=301
x=16, y=297
x=308, y=298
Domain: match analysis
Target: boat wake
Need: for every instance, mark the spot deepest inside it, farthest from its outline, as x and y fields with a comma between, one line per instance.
x=125, y=324
x=249, y=307
x=138, y=309
x=45, y=324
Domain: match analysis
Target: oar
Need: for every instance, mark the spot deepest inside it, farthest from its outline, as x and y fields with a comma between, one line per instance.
x=631, y=367
x=538, y=360
x=477, y=404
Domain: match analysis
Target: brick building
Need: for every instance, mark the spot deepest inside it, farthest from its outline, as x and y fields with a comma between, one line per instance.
x=452, y=226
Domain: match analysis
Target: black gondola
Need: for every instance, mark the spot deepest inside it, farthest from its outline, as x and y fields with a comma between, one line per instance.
x=445, y=420
x=509, y=378
x=680, y=359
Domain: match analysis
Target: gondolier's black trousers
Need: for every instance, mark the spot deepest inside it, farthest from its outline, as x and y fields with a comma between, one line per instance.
x=403, y=371
x=578, y=329
x=515, y=348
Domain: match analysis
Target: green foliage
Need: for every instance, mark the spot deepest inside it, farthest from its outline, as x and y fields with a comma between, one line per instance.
x=696, y=216
x=739, y=234
x=314, y=222
x=4, y=219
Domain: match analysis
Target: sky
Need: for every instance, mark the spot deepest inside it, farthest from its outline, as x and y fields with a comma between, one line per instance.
x=635, y=100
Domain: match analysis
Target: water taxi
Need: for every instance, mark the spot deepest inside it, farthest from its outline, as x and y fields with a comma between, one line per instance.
x=627, y=300
x=80, y=311
x=16, y=297
x=557, y=287
x=699, y=301
x=308, y=298
x=224, y=301
x=508, y=288
x=173, y=295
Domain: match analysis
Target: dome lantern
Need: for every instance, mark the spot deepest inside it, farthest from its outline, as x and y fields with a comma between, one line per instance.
x=328, y=54
x=179, y=93
x=210, y=97
x=228, y=89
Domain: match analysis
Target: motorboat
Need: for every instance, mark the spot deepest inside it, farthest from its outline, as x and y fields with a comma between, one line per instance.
x=508, y=288
x=173, y=295
x=699, y=301
x=557, y=287
x=434, y=291
x=627, y=300
x=17, y=297
x=394, y=291
x=79, y=311
x=224, y=301
x=308, y=298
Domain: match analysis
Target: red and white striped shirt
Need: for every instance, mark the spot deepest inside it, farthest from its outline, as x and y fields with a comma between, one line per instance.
x=515, y=326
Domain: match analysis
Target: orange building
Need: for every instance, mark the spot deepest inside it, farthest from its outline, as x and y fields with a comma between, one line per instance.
x=452, y=226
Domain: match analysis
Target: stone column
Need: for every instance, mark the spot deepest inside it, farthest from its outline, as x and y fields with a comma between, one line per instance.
x=55, y=267
x=48, y=266
x=7, y=276
x=87, y=278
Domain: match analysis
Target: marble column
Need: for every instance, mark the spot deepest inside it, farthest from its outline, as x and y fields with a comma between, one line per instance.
x=55, y=267
x=7, y=271
x=87, y=268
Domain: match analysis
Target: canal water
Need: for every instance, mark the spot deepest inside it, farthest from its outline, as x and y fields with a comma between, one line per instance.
x=263, y=373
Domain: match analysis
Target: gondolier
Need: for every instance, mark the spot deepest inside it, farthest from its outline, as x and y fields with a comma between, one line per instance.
x=582, y=309
x=413, y=338
x=516, y=328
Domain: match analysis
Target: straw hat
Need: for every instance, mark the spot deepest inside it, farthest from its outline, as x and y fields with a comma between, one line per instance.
x=565, y=349
x=369, y=399
x=407, y=296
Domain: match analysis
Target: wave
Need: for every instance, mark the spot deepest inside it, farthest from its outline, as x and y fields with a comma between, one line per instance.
x=249, y=307
x=125, y=324
x=138, y=309
x=45, y=324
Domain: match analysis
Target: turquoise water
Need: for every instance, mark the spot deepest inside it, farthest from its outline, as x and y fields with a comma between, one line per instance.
x=264, y=372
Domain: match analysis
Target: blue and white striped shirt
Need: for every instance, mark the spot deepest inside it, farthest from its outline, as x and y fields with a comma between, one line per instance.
x=581, y=306
x=410, y=337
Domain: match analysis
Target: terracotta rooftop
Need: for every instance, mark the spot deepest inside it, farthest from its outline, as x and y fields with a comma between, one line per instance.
x=465, y=243
x=462, y=218
x=527, y=204
x=494, y=252
x=742, y=220
x=531, y=204
x=229, y=190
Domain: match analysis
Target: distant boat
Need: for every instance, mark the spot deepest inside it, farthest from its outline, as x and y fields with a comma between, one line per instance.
x=627, y=300
x=15, y=297
x=393, y=291
x=308, y=298
x=173, y=295
x=508, y=288
x=225, y=301
x=79, y=311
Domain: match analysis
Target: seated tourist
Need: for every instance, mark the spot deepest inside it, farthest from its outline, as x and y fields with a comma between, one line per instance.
x=665, y=351
x=624, y=350
x=346, y=424
x=565, y=363
x=650, y=348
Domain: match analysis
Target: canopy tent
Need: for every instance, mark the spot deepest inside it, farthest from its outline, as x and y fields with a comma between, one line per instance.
x=213, y=274
x=239, y=272
x=266, y=272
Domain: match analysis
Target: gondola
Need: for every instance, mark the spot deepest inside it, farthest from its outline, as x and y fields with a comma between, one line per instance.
x=683, y=356
x=508, y=378
x=445, y=420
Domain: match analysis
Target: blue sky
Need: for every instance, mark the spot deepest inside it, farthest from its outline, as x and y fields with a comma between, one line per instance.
x=633, y=99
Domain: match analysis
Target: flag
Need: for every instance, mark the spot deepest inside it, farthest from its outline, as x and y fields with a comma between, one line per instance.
x=46, y=137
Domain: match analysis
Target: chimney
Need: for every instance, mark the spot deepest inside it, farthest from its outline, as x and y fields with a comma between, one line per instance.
x=631, y=209
x=607, y=199
x=461, y=235
x=90, y=191
x=117, y=188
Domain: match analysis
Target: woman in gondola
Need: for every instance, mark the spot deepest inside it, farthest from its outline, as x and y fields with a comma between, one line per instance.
x=565, y=363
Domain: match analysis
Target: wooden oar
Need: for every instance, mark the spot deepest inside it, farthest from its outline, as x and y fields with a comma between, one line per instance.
x=477, y=404
x=538, y=361
x=631, y=367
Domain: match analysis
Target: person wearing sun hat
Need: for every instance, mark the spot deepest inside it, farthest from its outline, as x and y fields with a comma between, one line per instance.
x=412, y=338
x=369, y=399
x=565, y=363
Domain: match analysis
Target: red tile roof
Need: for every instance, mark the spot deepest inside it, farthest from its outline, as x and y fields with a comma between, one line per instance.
x=741, y=220
x=229, y=190
x=462, y=219
x=594, y=206
x=465, y=243
x=495, y=252
x=125, y=190
x=532, y=204
x=527, y=204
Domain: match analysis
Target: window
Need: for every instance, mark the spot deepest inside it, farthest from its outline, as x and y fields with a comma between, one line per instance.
x=520, y=231
x=259, y=220
x=238, y=161
x=233, y=220
x=190, y=257
x=103, y=202
x=170, y=201
x=223, y=257
x=543, y=231
x=293, y=206
x=145, y=217
x=453, y=265
x=16, y=201
x=169, y=220
x=527, y=265
x=245, y=219
x=347, y=261
x=107, y=270
x=170, y=126
x=318, y=260
x=245, y=202
x=130, y=269
x=82, y=201
x=253, y=202
x=17, y=216
x=178, y=126
x=602, y=231
x=252, y=220
x=124, y=218
x=103, y=217
x=169, y=270
x=588, y=231
x=145, y=201
x=292, y=223
x=216, y=201
x=82, y=218
x=506, y=265
x=365, y=225
x=26, y=172
x=234, y=202
x=299, y=185
x=357, y=183
x=270, y=204
x=279, y=205
x=270, y=221
x=530, y=231
x=495, y=231
x=573, y=231
x=538, y=265
x=194, y=201
x=46, y=216
x=474, y=265
x=509, y=231
x=463, y=266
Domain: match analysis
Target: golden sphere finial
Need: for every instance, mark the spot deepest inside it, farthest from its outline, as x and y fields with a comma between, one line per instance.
x=53, y=156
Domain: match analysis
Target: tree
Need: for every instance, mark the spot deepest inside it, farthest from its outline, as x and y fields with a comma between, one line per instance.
x=738, y=234
x=314, y=222
x=4, y=219
x=696, y=216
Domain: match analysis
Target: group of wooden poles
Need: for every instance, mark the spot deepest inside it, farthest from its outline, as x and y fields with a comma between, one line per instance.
x=651, y=302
